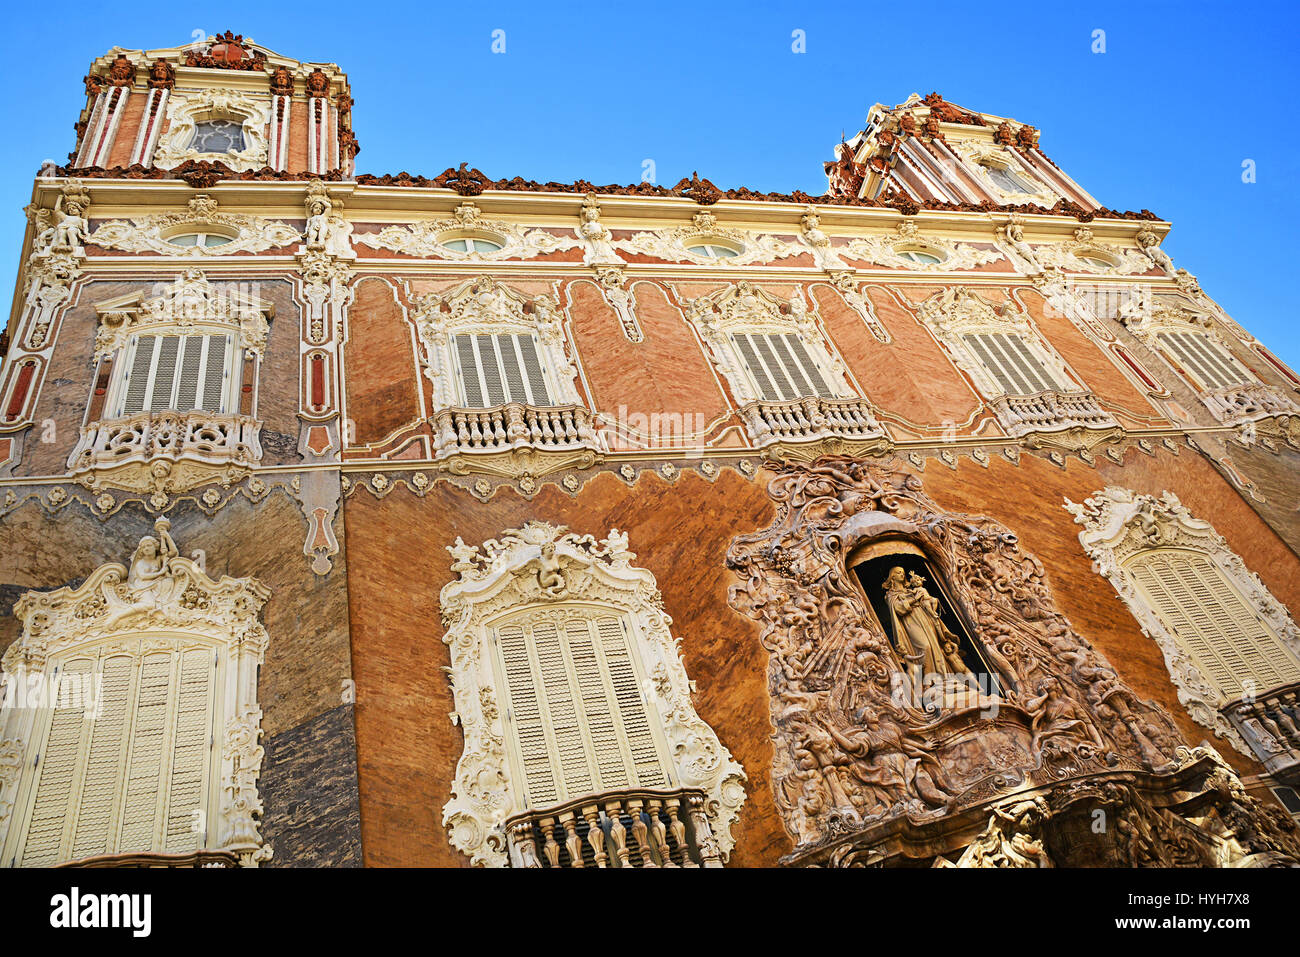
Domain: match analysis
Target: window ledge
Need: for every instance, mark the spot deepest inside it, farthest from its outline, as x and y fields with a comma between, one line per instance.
x=806, y=428
x=516, y=439
x=166, y=450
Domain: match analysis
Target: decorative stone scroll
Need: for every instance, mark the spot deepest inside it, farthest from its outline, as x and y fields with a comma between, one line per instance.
x=855, y=753
x=161, y=601
x=542, y=564
x=427, y=239
x=1119, y=261
x=150, y=234
x=889, y=251
x=674, y=244
x=1118, y=523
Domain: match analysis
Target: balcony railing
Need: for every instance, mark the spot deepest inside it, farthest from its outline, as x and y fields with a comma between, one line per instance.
x=1051, y=412
x=133, y=446
x=513, y=426
x=641, y=828
x=811, y=420
x=1247, y=402
x=1270, y=723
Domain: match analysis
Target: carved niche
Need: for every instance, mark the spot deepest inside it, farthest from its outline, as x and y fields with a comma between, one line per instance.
x=162, y=604
x=186, y=110
x=152, y=234
x=856, y=750
x=552, y=571
x=1118, y=525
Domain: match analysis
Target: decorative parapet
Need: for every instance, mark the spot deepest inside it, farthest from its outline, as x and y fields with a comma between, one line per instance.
x=166, y=451
x=642, y=828
x=1070, y=419
x=1252, y=402
x=810, y=427
x=516, y=439
x=1270, y=724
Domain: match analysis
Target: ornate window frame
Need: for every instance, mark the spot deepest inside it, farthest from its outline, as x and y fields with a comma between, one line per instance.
x=673, y=244
x=152, y=233
x=426, y=239
x=1117, y=524
x=162, y=601
x=1066, y=255
x=981, y=156
x=538, y=565
x=888, y=250
x=174, y=450
x=184, y=110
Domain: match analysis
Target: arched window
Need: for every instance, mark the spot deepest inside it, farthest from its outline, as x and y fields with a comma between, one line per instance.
x=135, y=722
x=1231, y=648
x=576, y=712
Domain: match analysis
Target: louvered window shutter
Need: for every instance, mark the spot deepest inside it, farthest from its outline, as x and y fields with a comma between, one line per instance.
x=1212, y=622
x=780, y=366
x=137, y=777
x=1008, y=358
x=179, y=372
x=1204, y=358
x=496, y=369
x=575, y=709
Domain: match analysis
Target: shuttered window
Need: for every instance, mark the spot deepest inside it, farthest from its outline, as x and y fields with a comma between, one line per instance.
x=1009, y=360
x=138, y=776
x=780, y=367
x=496, y=369
x=178, y=372
x=1205, y=359
x=574, y=708
x=1210, y=620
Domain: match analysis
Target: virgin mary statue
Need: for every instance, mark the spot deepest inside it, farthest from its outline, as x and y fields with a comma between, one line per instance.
x=924, y=641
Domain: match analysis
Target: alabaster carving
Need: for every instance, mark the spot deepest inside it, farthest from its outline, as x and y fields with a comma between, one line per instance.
x=323, y=261
x=549, y=566
x=326, y=230
x=848, y=287
x=855, y=750
x=1011, y=238
x=160, y=601
x=600, y=241
x=189, y=303
x=1149, y=243
x=744, y=307
x=613, y=285
x=888, y=250
x=184, y=110
x=425, y=239
x=672, y=245
x=1117, y=524
x=1067, y=255
x=980, y=156
x=151, y=234
x=63, y=229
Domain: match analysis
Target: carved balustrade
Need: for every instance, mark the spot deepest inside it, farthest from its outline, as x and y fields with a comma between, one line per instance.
x=811, y=420
x=1270, y=723
x=639, y=828
x=1247, y=402
x=1052, y=412
x=127, y=451
x=513, y=426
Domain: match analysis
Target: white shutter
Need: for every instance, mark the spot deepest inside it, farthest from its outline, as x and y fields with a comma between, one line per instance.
x=179, y=372
x=1204, y=358
x=1011, y=362
x=780, y=366
x=575, y=711
x=1212, y=622
x=496, y=369
x=132, y=778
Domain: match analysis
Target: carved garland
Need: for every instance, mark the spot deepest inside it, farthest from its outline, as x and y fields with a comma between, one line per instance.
x=152, y=234
x=426, y=239
x=852, y=753
x=163, y=602
x=889, y=250
x=186, y=110
x=1119, y=523
x=1066, y=255
x=673, y=245
x=541, y=563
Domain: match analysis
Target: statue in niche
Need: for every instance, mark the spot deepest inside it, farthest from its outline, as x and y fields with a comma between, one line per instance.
x=925, y=643
x=150, y=577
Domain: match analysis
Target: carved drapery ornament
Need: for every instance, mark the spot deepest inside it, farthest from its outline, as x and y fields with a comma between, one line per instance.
x=1119, y=524
x=161, y=602
x=854, y=751
x=185, y=110
x=545, y=565
x=889, y=251
x=426, y=239
x=1069, y=255
x=674, y=244
x=151, y=234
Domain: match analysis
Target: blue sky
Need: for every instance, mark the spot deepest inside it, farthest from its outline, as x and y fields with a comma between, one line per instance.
x=1163, y=119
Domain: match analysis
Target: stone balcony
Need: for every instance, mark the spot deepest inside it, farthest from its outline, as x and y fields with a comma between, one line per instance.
x=806, y=428
x=1070, y=420
x=636, y=828
x=1270, y=724
x=515, y=439
x=166, y=450
x=1270, y=411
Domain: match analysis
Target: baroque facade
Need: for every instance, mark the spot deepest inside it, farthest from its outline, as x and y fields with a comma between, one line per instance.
x=937, y=520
